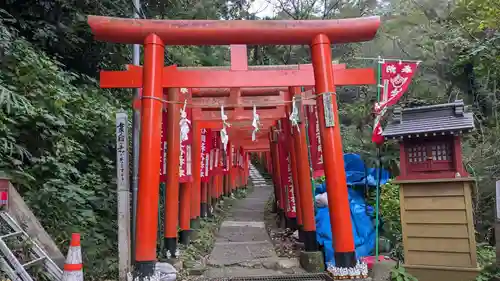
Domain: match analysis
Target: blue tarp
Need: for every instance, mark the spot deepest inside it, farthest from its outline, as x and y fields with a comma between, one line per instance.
x=363, y=228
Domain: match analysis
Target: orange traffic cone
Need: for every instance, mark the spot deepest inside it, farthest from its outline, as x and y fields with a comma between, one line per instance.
x=73, y=268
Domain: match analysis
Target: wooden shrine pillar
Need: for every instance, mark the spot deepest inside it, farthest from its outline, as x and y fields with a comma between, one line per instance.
x=235, y=171
x=279, y=178
x=274, y=175
x=204, y=199
x=210, y=194
x=306, y=201
x=149, y=157
x=172, y=186
x=196, y=187
x=185, y=212
x=290, y=132
x=331, y=140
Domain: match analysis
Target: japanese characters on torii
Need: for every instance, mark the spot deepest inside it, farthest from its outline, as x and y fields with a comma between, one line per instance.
x=223, y=133
x=294, y=115
x=255, y=123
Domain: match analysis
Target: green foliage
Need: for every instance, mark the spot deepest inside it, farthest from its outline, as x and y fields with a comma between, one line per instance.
x=486, y=258
x=399, y=274
x=320, y=179
x=390, y=213
x=58, y=149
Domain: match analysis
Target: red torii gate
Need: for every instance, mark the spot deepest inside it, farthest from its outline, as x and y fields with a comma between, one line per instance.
x=238, y=97
x=155, y=35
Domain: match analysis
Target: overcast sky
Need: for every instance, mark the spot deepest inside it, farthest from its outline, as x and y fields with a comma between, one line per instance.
x=262, y=7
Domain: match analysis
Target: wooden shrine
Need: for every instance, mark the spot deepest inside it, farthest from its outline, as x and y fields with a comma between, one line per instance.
x=435, y=191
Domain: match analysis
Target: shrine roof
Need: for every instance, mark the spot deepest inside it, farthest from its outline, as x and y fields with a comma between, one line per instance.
x=448, y=118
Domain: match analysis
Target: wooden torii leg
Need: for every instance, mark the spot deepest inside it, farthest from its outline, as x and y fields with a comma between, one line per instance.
x=305, y=185
x=149, y=158
x=185, y=212
x=331, y=140
x=172, y=186
x=272, y=145
x=204, y=199
x=196, y=187
x=294, y=159
x=210, y=194
x=214, y=192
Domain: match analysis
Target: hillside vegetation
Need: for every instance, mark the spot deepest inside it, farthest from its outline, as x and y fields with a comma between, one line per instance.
x=57, y=126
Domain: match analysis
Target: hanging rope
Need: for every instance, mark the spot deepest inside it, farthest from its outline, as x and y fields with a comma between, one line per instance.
x=184, y=123
x=294, y=115
x=237, y=105
x=223, y=133
x=255, y=122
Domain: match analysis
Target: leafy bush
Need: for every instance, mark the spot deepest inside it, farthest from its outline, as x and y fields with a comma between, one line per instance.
x=399, y=273
x=57, y=146
x=390, y=213
x=486, y=258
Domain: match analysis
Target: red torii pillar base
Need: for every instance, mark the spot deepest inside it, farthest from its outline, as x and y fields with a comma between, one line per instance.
x=204, y=199
x=184, y=213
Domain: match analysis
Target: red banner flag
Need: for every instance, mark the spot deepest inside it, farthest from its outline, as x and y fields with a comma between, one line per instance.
x=395, y=78
x=185, y=159
x=315, y=141
x=211, y=154
x=206, y=145
x=163, y=150
x=215, y=154
x=286, y=168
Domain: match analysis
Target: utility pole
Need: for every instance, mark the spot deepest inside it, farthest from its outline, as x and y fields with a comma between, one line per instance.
x=136, y=122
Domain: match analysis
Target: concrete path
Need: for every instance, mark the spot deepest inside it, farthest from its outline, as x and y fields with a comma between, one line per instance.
x=243, y=247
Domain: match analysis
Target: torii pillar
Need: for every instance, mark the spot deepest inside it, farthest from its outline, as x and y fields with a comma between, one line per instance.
x=331, y=141
x=305, y=194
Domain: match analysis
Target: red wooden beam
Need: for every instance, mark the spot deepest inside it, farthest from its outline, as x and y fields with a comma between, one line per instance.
x=215, y=32
x=175, y=78
x=256, y=148
x=218, y=92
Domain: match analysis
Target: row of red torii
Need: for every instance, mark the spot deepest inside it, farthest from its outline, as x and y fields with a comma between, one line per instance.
x=241, y=82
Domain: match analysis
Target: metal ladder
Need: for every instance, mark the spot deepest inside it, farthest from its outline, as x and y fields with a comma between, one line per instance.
x=11, y=265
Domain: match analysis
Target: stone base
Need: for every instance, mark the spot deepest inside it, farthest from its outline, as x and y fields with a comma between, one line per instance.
x=175, y=263
x=312, y=262
x=381, y=271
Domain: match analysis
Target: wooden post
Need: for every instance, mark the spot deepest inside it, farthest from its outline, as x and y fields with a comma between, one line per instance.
x=305, y=186
x=294, y=159
x=123, y=193
x=149, y=158
x=196, y=186
x=331, y=140
x=185, y=212
x=497, y=222
x=172, y=186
